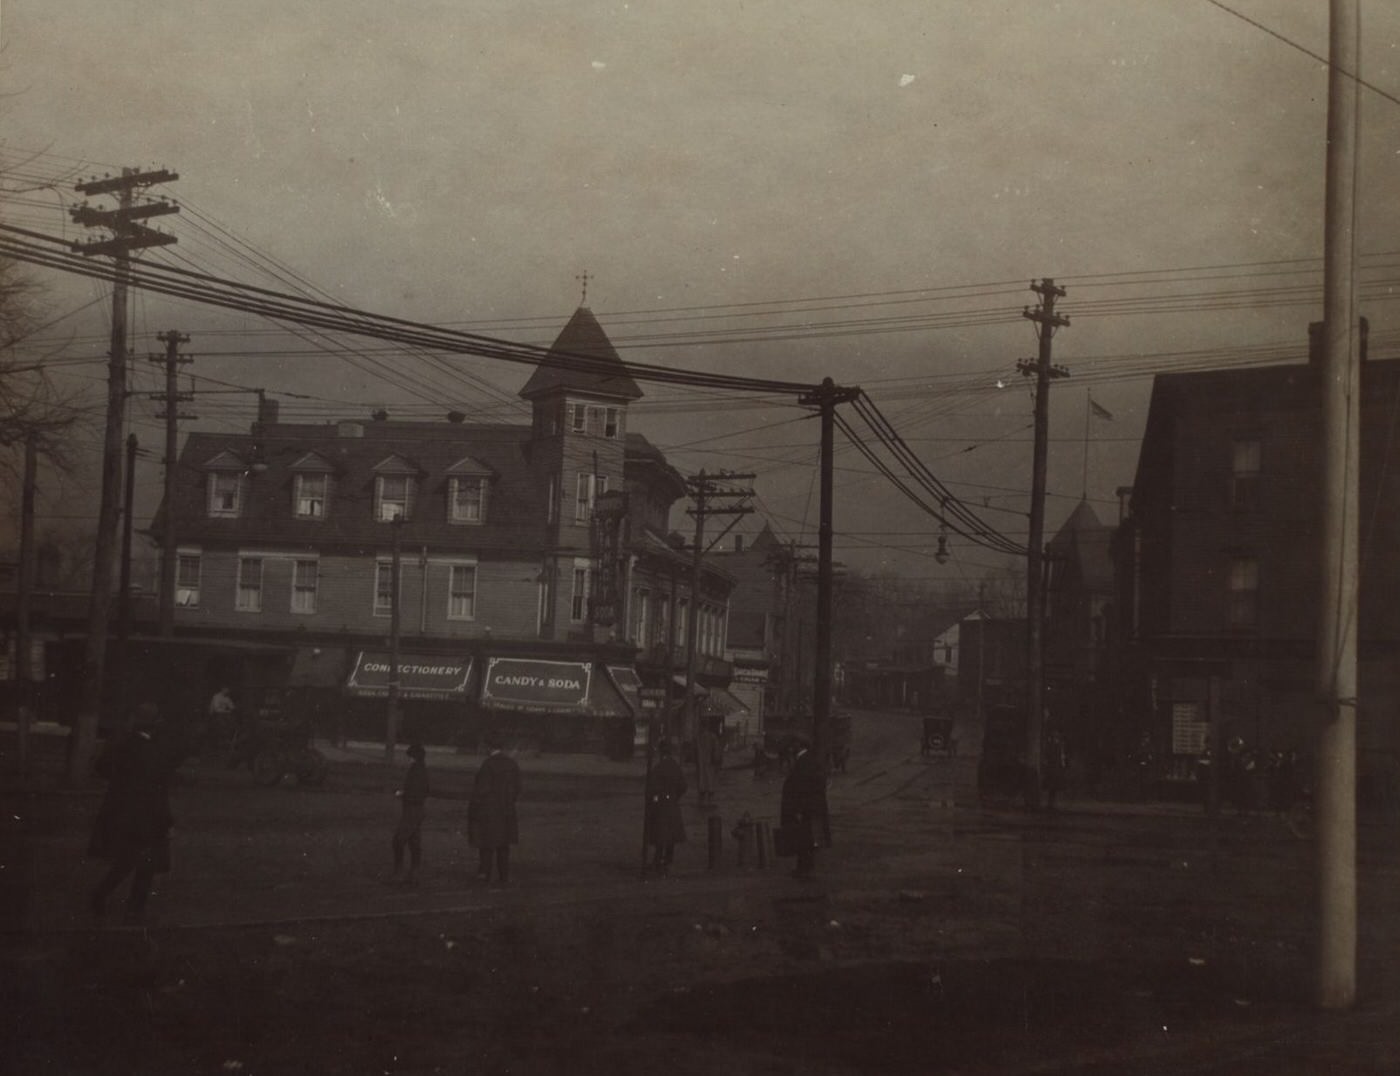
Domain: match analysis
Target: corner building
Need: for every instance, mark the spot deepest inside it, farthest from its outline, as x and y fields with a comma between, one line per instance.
x=539, y=586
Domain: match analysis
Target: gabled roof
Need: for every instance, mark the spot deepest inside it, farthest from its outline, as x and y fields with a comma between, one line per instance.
x=582, y=337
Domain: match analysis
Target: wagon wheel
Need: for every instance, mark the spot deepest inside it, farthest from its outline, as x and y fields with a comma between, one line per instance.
x=267, y=768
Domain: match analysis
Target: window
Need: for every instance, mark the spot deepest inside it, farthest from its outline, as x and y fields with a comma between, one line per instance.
x=466, y=500
x=384, y=588
x=461, y=592
x=225, y=495
x=682, y=621
x=595, y=420
x=187, y=565
x=249, y=597
x=393, y=497
x=305, y=576
x=546, y=598
x=310, y=495
x=641, y=614
x=1244, y=592
x=583, y=590
x=589, y=486
x=1244, y=475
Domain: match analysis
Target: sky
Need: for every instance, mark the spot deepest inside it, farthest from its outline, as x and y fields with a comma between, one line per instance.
x=790, y=191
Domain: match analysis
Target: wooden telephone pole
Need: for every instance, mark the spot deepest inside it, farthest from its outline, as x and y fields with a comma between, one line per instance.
x=825, y=398
x=713, y=496
x=128, y=234
x=172, y=399
x=1337, y=683
x=1046, y=322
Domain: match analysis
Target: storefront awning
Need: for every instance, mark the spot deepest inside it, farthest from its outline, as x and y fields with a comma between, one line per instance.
x=723, y=703
x=536, y=684
x=697, y=689
x=544, y=686
x=629, y=685
x=421, y=676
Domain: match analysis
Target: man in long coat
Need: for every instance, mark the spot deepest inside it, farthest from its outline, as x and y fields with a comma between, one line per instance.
x=132, y=828
x=665, y=828
x=492, y=825
x=413, y=798
x=803, y=809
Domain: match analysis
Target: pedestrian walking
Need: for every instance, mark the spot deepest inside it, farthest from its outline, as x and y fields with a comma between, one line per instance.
x=132, y=828
x=803, y=810
x=665, y=828
x=413, y=798
x=492, y=825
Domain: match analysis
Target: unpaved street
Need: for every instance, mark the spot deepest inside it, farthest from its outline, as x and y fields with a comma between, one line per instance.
x=939, y=937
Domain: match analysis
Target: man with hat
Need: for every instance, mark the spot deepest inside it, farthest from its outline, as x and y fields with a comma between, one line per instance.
x=409, y=834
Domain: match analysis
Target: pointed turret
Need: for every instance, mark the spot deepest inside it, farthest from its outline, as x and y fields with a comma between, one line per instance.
x=582, y=338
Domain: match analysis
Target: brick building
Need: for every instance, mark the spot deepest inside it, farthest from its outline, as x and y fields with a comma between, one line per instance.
x=1217, y=565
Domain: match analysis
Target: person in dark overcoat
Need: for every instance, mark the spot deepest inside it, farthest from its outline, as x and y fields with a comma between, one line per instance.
x=413, y=797
x=803, y=809
x=492, y=825
x=132, y=828
x=665, y=828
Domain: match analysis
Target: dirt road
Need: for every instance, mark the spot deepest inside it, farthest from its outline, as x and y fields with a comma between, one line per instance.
x=939, y=937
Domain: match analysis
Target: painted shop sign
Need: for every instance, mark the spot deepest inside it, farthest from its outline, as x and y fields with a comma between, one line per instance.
x=530, y=684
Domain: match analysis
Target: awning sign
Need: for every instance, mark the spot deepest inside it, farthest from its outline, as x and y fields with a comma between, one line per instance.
x=421, y=676
x=530, y=684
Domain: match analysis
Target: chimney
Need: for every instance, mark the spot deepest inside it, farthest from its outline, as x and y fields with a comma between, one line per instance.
x=267, y=410
x=738, y=543
x=456, y=417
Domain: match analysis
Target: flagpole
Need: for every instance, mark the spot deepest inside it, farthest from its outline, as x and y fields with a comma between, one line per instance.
x=1088, y=414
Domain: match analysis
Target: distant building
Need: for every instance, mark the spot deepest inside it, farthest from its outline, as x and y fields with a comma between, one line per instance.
x=1218, y=578
x=1080, y=673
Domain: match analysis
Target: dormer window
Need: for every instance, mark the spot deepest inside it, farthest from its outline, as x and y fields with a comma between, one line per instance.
x=467, y=484
x=225, y=485
x=311, y=486
x=392, y=494
x=225, y=495
x=466, y=497
x=395, y=486
x=310, y=492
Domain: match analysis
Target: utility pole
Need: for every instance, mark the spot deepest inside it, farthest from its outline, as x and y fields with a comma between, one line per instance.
x=391, y=719
x=124, y=583
x=1337, y=681
x=171, y=397
x=1046, y=322
x=824, y=398
x=712, y=498
x=127, y=235
x=24, y=587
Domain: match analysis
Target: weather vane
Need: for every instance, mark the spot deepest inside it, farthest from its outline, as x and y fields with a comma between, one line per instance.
x=584, y=277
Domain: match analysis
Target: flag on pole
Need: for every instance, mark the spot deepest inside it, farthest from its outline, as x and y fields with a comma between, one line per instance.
x=1099, y=411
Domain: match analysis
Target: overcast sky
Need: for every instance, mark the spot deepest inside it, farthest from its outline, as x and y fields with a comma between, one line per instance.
x=830, y=189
